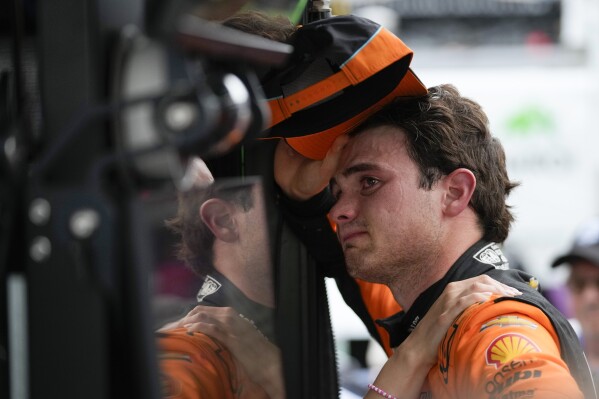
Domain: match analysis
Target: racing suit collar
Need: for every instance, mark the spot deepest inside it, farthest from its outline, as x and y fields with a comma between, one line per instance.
x=218, y=291
x=478, y=259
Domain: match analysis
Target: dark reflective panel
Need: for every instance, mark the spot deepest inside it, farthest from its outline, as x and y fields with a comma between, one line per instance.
x=213, y=299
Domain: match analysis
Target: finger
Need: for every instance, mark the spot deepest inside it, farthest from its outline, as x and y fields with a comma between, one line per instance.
x=491, y=281
x=197, y=318
x=207, y=314
x=281, y=157
x=462, y=303
x=284, y=149
x=480, y=284
x=289, y=150
x=339, y=143
x=212, y=330
x=500, y=288
x=199, y=308
x=496, y=288
x=224, y=318
x=331, y=160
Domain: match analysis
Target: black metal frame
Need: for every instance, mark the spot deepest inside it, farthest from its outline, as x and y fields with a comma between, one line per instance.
x=74, y=250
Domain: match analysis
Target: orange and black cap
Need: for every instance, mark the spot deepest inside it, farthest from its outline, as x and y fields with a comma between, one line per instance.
x=343, y=69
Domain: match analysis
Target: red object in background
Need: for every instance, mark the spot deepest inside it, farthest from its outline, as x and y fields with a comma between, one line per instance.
x=175, y=278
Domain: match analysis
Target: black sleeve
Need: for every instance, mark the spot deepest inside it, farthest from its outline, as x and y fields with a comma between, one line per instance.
x=308, y=221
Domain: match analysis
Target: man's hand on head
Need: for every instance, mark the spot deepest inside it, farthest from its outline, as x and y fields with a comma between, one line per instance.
x=301, y=178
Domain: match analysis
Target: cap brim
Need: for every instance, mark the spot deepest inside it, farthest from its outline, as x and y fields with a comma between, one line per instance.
x=316, y=145
x=589, y=254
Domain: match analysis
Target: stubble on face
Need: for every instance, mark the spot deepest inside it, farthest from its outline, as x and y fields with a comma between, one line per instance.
x=254, y=248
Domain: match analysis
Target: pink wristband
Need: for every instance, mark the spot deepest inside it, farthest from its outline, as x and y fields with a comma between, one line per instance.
x=381, y=392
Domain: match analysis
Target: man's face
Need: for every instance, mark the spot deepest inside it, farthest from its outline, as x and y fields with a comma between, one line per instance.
x=584, y=287
x=253, y=235
x=389, y=228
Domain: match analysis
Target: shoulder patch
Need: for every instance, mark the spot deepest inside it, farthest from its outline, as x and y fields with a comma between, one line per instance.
x=508, y=321
x=210, y=286
x=508, y=346
x=491, y=255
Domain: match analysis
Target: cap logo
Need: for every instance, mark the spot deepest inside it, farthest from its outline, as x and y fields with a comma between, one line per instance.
x=210, y=286
x=492, y=255
x=508, y=346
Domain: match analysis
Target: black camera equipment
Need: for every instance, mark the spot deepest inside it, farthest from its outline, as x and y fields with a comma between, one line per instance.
x=101, y=104
x=317, y=10
x=98, y=107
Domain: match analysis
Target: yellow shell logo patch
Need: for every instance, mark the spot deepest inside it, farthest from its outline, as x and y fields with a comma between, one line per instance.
x=508, y=346
x=534, y=283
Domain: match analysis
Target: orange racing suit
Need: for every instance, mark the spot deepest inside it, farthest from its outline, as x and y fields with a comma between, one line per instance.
x=555, y=366
x=501, y=350
x=504, y=348
x=196, y=366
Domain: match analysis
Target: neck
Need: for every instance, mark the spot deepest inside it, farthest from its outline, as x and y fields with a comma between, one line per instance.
x=255, y=281
x=407, y=288
x=450, y=246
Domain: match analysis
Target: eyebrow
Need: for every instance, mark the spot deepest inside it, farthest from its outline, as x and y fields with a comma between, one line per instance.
x=361, y=167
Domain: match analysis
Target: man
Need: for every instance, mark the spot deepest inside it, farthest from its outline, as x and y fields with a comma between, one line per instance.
x=583, y=285
x=419, y=201
x=226, y=346
x=224, y=240
x=277, y=29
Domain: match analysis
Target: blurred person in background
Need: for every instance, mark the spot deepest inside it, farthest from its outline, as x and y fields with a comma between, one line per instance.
x=583, y=286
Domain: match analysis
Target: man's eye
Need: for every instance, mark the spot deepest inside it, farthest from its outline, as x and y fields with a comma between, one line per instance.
x=368, y=182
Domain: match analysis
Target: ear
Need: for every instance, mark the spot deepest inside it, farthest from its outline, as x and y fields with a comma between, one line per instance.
x=459, y=186
x=218, y=215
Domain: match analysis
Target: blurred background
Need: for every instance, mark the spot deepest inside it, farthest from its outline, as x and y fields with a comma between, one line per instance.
x=533, y=65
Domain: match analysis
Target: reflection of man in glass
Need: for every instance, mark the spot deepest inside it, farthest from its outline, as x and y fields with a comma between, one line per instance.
x=225, y=241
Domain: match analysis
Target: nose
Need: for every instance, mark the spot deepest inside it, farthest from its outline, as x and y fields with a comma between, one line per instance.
x=590, y=291
x=344, y=210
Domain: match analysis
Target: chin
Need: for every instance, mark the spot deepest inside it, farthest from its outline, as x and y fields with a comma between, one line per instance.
x=355, y=268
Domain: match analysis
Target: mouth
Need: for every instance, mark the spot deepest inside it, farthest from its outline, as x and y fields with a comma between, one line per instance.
x=592, y=309
x=347, y=238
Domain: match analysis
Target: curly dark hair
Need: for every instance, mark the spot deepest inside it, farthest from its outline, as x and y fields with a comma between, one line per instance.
x=446, y=131
x=196, y=239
